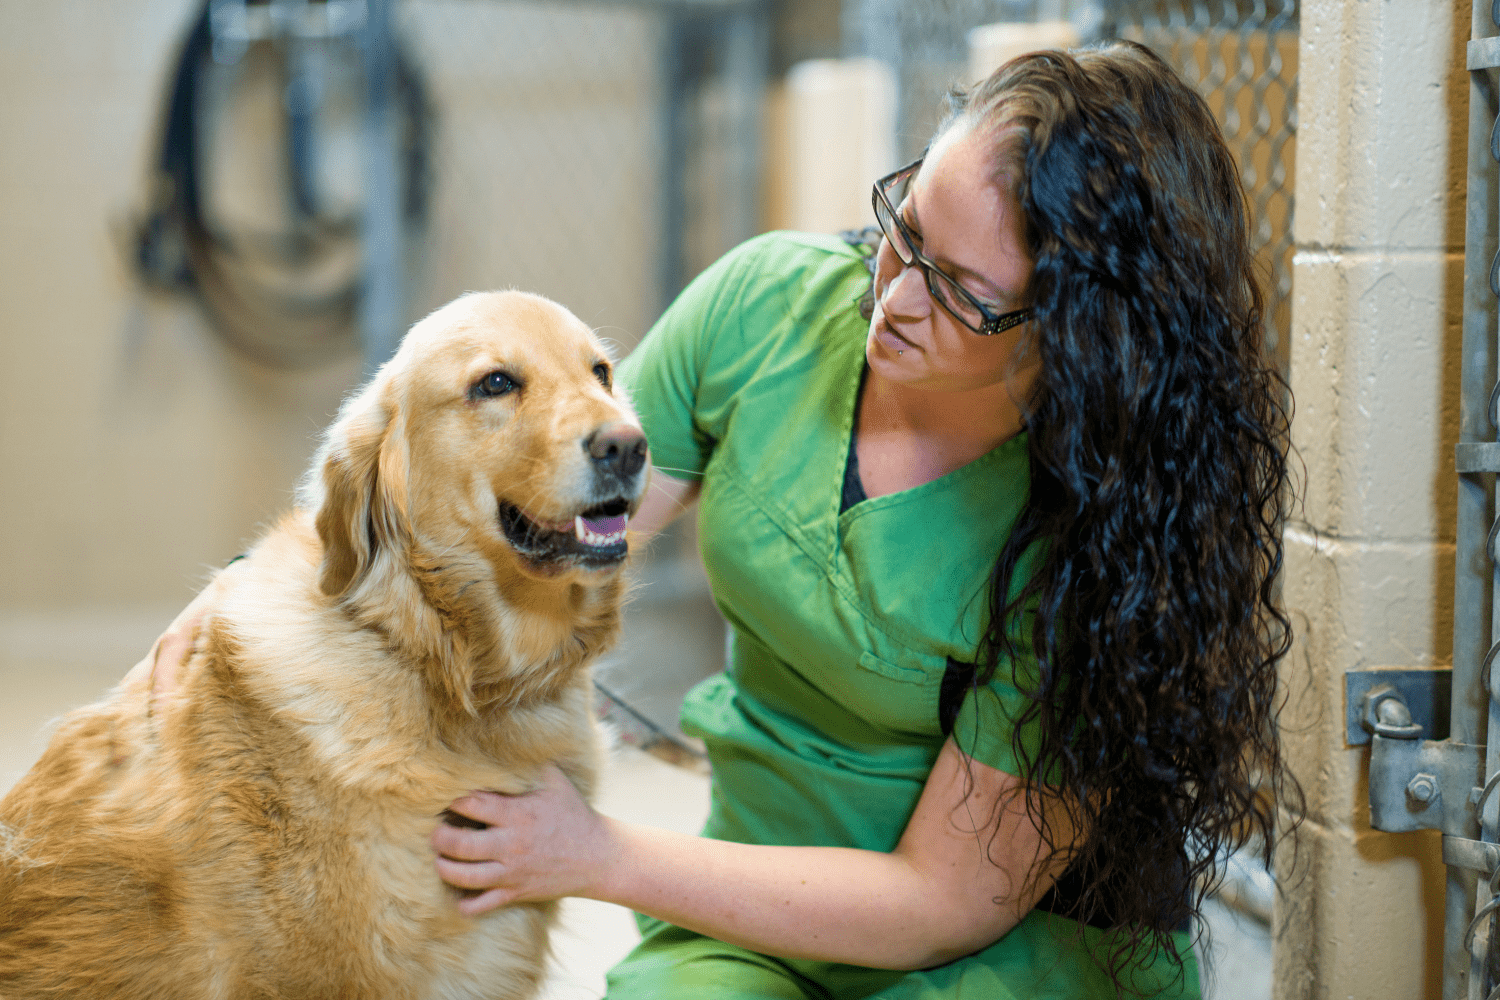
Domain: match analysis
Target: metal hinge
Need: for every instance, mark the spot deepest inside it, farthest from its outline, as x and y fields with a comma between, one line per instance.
x=1415, y=783
x=1424, y=784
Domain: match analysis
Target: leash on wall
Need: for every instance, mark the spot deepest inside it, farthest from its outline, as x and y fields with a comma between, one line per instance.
x=256, y=196
x=634, y=728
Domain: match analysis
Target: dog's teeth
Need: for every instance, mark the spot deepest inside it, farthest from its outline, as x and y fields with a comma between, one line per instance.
x=589, y=536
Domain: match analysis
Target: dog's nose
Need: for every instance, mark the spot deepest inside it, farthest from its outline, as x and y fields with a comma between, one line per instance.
x=619, y=448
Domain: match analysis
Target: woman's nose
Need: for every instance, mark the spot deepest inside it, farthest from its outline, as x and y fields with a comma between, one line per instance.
x=906, y=293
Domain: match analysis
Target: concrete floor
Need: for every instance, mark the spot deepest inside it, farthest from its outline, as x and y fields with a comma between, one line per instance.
x=48, y=666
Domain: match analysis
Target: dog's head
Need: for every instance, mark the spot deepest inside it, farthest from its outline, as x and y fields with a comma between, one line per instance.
x=493, y=447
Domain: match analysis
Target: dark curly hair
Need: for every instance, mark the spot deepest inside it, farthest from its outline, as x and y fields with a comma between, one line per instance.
x=1159, y=486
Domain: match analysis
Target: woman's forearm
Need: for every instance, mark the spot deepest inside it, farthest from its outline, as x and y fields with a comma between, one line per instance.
x=970, y=864
x=820, y=903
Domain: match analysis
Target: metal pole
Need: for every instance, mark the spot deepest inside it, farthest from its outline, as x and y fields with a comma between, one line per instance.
x=676, y=110
x=382, y=300
x=1476, y=627
x=747, y=59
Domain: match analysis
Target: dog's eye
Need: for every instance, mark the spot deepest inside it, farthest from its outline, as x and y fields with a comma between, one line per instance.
x=496, y=384
x=601, y=372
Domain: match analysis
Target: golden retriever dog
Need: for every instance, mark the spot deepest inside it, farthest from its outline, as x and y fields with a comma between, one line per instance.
x=419, y=627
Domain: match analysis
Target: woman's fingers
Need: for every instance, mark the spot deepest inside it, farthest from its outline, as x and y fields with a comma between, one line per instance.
x=175, y=645
x=471, y=874
x=489, y=876
x=484, y=807
x=465, y=845
x=483, y=903
x=544, y=844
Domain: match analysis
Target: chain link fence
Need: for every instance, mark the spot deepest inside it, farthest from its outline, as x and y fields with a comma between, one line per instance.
x=1240, y=54
x=602, y=152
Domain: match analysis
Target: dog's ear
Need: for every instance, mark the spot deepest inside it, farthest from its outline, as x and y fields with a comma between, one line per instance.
x=361, y=507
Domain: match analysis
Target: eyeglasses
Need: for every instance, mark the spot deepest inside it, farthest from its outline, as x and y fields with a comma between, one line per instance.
x=889, y=192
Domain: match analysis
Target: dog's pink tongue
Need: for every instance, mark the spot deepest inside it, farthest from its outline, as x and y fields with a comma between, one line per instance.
x=605, y=525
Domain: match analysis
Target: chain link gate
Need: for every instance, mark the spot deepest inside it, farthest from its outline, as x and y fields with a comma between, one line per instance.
x=1242, y=57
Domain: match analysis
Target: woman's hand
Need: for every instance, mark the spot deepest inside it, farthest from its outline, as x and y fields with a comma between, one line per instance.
x=542, y=845
x=157, y=675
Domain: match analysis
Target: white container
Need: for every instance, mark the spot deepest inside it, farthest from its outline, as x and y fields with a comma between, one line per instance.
x=993, y=45
x=841, y=136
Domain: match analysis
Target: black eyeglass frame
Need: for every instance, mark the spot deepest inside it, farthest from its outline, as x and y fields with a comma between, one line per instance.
x=990, y=323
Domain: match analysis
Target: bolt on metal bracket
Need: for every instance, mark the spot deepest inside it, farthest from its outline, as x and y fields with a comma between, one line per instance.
x=1386, y=714
x=1424, y=789
x=1420, y=784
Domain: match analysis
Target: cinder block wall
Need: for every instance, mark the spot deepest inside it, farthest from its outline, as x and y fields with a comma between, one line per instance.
x=1376, y=334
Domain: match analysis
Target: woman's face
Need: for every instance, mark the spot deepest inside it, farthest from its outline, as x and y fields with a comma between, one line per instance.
x=974, y=229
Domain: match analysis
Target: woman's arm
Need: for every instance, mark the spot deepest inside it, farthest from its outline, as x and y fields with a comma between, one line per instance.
x=957, y=881
x=666, y=499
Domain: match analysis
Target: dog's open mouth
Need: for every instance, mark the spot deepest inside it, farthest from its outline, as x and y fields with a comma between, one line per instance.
x=595, y=537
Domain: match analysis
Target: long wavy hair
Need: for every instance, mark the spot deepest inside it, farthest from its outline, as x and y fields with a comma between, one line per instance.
x=1149, y=628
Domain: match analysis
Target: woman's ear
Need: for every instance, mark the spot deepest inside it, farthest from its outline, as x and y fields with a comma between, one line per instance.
x=361, y=514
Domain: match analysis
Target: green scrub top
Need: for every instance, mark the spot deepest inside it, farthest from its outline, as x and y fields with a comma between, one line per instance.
x=824, y=726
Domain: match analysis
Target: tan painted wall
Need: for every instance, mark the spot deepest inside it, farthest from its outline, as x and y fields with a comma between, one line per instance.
x=1374, y=362
x=136, y=450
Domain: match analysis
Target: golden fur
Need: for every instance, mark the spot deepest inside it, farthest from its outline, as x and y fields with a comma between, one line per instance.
x=262, y=831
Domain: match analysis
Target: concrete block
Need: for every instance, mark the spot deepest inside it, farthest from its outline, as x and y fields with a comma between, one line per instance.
x=1375, y=355
x=1353, y=606
x=1376, y=317
x=1359, y=915
x=1382, y=124
x=1371, y=604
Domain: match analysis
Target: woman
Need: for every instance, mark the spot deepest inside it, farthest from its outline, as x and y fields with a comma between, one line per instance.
x=998, y=563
